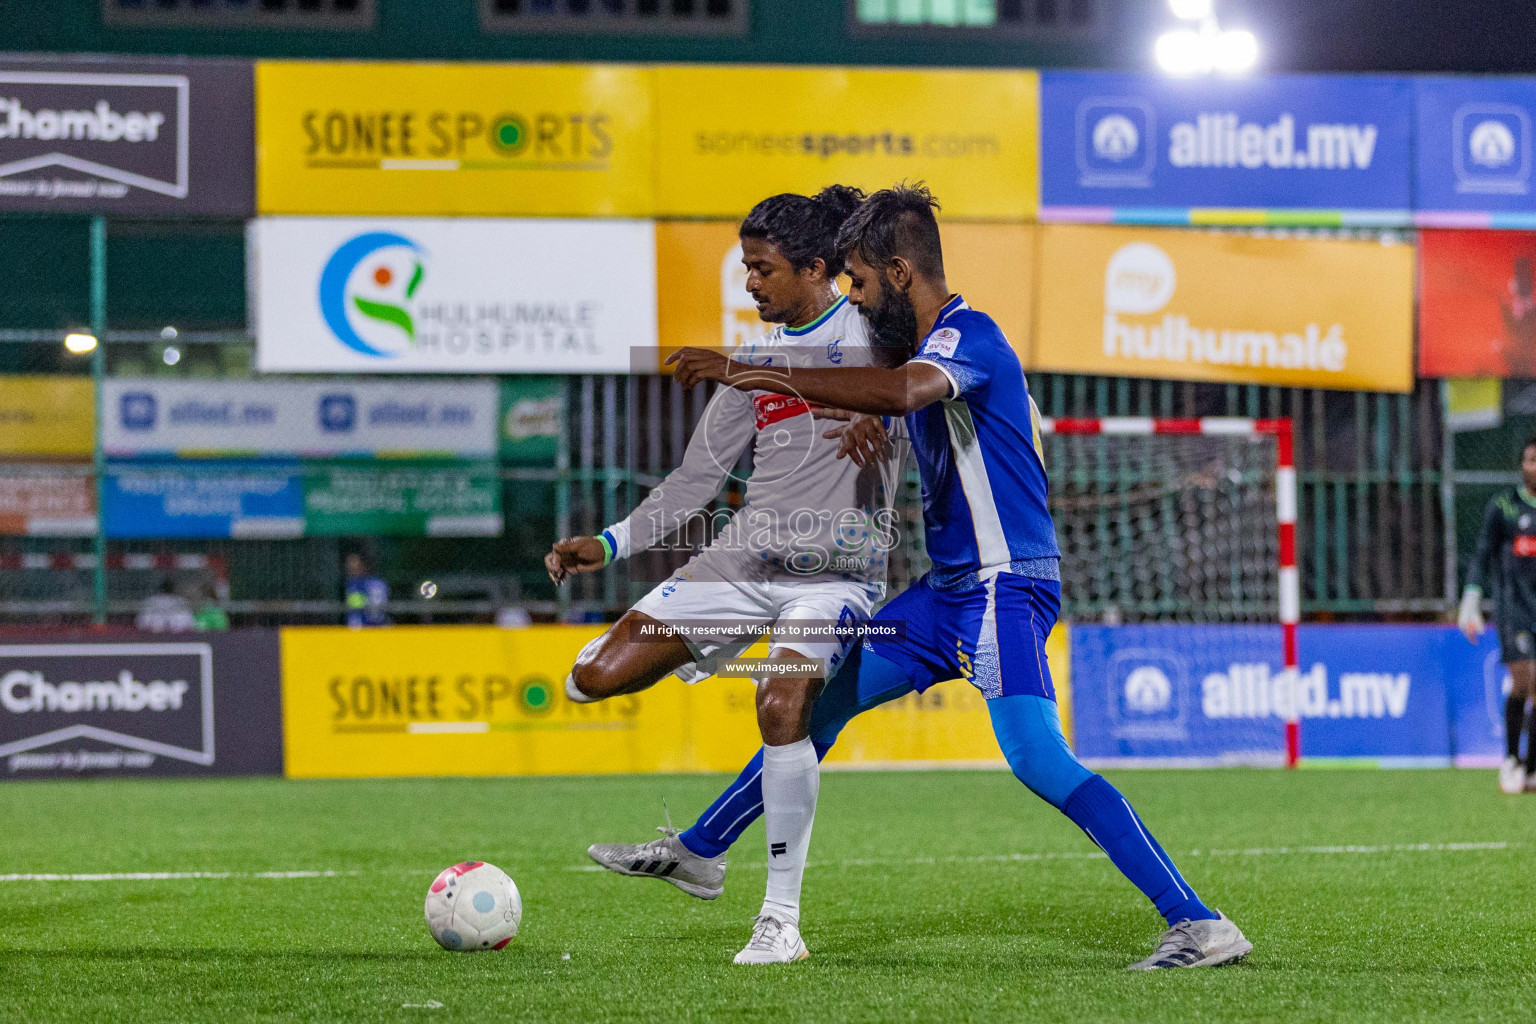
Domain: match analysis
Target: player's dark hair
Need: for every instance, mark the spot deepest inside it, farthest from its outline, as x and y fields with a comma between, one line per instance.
x=804, y=228
x=895, y=222
x=1530, y=442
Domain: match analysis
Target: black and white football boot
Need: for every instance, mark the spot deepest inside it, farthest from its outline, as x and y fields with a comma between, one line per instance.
x=667, y=859
x=1197, y=944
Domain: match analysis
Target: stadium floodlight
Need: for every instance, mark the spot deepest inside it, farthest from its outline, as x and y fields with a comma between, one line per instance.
x=171, y=356
x=1235, y=52
x=168, y=333
x=1199, y=51
x=1185, y=52
x=80, y=343
x=1190, y=10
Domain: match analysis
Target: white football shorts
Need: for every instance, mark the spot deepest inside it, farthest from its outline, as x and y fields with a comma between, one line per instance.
x=695, y=606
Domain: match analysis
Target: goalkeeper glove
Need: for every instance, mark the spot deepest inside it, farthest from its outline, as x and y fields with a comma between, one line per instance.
x=1469, y=618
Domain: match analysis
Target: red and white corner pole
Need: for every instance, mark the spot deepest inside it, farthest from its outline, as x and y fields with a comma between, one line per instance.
x=1290, y=580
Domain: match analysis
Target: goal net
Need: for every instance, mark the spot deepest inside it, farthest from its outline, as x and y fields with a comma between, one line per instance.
x=1164, y=527
x=1186, y=522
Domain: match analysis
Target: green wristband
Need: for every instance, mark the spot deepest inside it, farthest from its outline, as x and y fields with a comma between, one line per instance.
x=602, y=539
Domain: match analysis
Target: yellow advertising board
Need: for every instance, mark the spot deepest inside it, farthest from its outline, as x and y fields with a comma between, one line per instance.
x=380, y=138
x=701, y=295
x=729, y=136
x=47, y=416
x=475, y=700
x=1196, y=305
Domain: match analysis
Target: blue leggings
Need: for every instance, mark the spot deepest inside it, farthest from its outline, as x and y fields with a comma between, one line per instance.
x=1028, y=729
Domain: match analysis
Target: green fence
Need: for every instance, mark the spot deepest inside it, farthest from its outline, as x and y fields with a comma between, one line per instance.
x=1384, y=506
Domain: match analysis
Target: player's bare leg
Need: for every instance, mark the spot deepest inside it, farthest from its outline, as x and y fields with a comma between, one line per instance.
x=791, y=781
x=619, y=662
x=1514, y=776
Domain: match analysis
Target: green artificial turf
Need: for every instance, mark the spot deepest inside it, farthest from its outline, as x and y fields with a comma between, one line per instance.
x=924, y=902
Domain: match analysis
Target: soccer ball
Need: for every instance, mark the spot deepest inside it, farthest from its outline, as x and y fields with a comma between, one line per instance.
x=473, y=906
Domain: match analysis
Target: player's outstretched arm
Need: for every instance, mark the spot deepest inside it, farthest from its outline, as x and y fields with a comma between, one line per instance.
x=870, y=389
x=573, y=556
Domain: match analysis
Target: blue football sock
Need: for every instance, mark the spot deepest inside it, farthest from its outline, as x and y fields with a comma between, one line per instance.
x=734, y=810
x=1098, y=809
x=1028, y=730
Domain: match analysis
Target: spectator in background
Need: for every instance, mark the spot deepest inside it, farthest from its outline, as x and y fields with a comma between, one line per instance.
x=210, y=616
x=166, y=612
x=1519, y=309
x=366, y=595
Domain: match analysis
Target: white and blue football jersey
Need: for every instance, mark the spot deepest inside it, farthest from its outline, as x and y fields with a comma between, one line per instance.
x=984, y=485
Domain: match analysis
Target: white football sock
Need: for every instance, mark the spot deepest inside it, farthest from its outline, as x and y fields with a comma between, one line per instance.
x=571, y=690
x=791, y=780
x=574, y=695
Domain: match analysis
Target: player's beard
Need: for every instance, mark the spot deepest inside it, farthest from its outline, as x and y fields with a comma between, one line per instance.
x=893, y=322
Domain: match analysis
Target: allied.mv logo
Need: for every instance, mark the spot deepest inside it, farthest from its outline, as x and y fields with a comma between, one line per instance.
x=1115, y=138
x=338, y=413
x=1116, y=145
x=1147, y=690
x=366, y=289
x=1491, y=144
x=1492, y=148
x=137, y=410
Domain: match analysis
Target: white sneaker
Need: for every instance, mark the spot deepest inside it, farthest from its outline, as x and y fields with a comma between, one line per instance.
x=1511, y=776
x=1197, y=944
x=774, y=941
x=666, y=858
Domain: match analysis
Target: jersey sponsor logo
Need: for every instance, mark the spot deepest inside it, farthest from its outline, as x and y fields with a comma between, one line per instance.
x=942, y=342
x=770, y=409
x=1525, y=547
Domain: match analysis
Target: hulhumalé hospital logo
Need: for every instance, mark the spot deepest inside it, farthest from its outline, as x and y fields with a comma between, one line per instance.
x=365, y=291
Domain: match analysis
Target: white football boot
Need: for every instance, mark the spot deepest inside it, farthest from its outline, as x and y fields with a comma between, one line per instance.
x=774, y=941
x=1512, y=776
x=667, y=859
x=1197, y=944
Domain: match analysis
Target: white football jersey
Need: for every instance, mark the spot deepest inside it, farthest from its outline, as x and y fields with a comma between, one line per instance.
x=808, y=515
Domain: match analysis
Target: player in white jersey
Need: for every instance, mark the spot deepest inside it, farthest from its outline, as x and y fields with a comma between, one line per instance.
x=808, y=547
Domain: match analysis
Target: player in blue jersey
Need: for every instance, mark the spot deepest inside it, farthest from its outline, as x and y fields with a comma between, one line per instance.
x=984, y=610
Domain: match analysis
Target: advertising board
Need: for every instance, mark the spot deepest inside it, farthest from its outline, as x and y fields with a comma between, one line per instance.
x=139, y=137
x=451, y=296
x=148, y=704
x=1194, y=305
x=1278, y=149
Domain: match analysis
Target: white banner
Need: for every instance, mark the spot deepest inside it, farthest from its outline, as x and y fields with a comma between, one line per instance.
x=419, y=295
x=299, y=417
